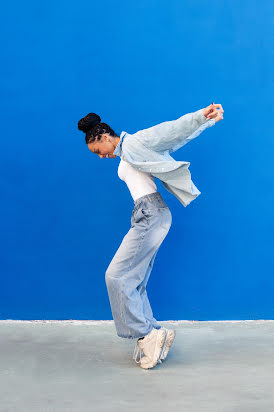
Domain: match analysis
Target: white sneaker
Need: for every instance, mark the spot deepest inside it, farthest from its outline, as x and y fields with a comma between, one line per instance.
x=168, y=342
x=151, y=346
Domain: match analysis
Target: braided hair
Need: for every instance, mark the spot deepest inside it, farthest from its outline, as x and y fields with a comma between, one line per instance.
x=93, y=128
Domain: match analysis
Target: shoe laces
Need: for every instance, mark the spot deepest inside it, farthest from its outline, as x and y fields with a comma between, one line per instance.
x=137, y=352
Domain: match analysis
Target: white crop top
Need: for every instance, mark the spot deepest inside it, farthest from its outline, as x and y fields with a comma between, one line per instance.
x=138, y=183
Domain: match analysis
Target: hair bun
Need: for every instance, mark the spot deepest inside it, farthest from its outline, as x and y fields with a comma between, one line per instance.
x=89, y=121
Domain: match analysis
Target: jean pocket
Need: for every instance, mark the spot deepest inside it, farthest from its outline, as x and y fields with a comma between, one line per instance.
x=141, y=216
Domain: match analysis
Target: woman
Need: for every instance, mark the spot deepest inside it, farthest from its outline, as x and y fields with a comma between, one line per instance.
x=144, y=156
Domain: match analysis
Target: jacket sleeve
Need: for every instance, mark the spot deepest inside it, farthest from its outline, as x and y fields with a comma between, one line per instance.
x=171, y=135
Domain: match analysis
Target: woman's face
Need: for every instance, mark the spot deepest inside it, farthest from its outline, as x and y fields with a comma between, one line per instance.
x=104, y=147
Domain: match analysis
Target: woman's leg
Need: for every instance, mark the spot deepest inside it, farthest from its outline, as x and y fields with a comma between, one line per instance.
x=165, y=222
x=143, y=292
x=129, y=271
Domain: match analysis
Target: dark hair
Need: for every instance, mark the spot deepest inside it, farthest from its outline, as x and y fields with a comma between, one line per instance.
x=92, y=126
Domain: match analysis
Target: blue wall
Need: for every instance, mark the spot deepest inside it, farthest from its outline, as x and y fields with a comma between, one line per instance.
x=64, y=211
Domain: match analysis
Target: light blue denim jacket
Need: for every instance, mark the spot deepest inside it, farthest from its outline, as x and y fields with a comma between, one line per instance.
x=149, y=150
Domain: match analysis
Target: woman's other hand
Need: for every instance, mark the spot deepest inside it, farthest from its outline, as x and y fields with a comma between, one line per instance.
x=214, y=111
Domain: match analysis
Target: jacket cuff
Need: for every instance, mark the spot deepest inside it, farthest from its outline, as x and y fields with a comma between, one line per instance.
x=199, y=116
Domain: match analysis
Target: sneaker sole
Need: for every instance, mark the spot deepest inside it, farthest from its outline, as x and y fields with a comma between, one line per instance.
x=161, y=338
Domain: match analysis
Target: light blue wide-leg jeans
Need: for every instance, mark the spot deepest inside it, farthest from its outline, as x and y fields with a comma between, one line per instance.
x=128, y=272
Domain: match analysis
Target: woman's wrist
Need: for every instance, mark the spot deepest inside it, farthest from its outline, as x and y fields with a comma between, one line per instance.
x=201, y=116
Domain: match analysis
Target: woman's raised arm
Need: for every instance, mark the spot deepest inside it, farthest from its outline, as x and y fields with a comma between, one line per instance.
x=171, y=135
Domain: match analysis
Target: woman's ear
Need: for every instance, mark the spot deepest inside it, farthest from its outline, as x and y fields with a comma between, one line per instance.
x=105, y=137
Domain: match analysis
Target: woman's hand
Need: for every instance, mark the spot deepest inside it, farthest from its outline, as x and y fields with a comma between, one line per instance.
x=212, y=112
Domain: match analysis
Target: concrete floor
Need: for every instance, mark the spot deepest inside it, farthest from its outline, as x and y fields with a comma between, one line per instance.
x=79, y=366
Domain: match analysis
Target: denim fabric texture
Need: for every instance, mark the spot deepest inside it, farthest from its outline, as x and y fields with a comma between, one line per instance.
x=149, y=150
x=128, y=272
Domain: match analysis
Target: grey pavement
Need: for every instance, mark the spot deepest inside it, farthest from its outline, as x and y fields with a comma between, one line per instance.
x=79, y=366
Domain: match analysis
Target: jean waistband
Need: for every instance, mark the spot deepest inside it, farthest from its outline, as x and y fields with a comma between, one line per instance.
x=151, y=200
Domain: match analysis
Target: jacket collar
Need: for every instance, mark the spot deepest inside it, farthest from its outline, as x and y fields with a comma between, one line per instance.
x=118, y=149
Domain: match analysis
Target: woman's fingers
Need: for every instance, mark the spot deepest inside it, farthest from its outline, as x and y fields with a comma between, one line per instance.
x=213, y=114
x=215, y=106
x=220, y=107
x=207, y=110
x=212, y=110
x=219, y=117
